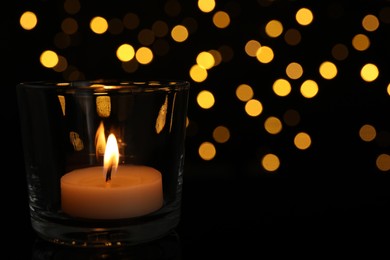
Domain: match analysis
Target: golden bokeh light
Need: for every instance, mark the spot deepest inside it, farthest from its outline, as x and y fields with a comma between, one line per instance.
x=369, y=72
x=328, y=70
x=198, y=73
x=281, y=87
x=253, y=107
x=221, y=134
x=265, y=54
x=370, y=23
x=309, y=88
x=28, y=20
x=274, y=28
x=383, y=162
x=367, y=133
x=251, y=47
x=179, y=33
x=273, y=125
x=144, y=55
x=49, y=59
x=270, y=162
x=205, y=60
x=304, y=16
x=302, y=141
x=294, y=70
x=221, y=19
x=207, y=151
x=360, y=42
x=205, y=99
x=244, y=92
x=125, y=52
x=206, y=6
x=98, y=25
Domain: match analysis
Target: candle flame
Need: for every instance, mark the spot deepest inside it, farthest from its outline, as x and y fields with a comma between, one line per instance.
x=111, y=156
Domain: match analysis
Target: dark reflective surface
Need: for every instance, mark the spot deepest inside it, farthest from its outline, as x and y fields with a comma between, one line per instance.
x=167, y=248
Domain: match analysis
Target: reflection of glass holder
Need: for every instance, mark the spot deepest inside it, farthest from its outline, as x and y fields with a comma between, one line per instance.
x=104, y=159
x=166, y=248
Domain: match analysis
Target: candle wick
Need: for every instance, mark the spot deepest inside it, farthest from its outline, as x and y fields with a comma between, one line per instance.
x=108, y=174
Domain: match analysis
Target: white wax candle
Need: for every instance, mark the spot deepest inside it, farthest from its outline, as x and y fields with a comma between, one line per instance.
x=132, y=191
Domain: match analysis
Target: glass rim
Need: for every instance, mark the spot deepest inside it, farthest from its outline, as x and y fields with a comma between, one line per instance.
x=109, y=84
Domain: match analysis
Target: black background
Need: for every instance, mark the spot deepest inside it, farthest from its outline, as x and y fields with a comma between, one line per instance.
x=325, y=201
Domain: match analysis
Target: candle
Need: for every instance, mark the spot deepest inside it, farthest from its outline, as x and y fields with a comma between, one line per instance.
x=125, y=191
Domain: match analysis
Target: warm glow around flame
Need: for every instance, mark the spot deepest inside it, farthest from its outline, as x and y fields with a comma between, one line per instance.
x=111, y=155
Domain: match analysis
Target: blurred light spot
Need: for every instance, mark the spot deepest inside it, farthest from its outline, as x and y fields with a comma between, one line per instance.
x=205, y=99
x=144, y=55
x=302, y=141
x=281, y=87
x=179, y=33
x=244, y=92
x=270, y=162
x=309, y=88
x=291, y=117
x=125, y=52
x=340, y=51
x=206, y=6
x=292, y=37
x=115, y=26
x=205, y=60
x=227, y=53
x=160, y=28
x=383, y=162
x=69, y=26
x=367, y=133
x=294, y=70
x=191, y=24
x=49, y=59
x=207, y=151
x=221, y=134
x=62, y=40
x=369, y=72
x=62, y=64
x=370, y=23
x=130, y=66
x=328, y=70
x=72, y=6
x=304, y=16
x=388, y=89
x=274, y=28
x=384, y=14
x=198, y=73
x=146, y=37
x=172, y=8
x=264, y=54
x=360, y=42
x=221, y=19
x=251, y=47
x=253, y=107
x=273, y=125
x=131, y=21
x=98, y=25
x=28, y=20
x=160, y=47
x=217, y=57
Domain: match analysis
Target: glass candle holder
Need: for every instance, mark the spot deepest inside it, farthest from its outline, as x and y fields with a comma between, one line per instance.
x=104, y=159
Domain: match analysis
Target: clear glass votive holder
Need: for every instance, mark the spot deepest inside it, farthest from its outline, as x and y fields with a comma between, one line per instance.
x=104, y=159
